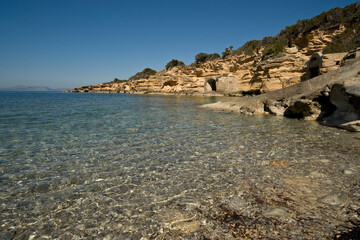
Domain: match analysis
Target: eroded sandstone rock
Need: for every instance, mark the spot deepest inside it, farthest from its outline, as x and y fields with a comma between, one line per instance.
x=332, y=98
x=238, y=74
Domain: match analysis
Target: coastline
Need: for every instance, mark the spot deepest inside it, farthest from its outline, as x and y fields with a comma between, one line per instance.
x=321, y=98
x=333, y=99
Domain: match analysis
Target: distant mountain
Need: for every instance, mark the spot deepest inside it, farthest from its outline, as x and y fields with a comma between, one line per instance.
x=32, y=89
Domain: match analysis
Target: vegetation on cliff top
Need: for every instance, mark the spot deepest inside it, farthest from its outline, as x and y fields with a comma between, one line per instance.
x=174, y=63
x=273, y=46
x=348, y=16
x=116, y=80
x=332, y=19
x=346, y=41
x=147, y=72
x=203, y=57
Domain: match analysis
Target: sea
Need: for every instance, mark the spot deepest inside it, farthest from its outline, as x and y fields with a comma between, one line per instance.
x=119, y=166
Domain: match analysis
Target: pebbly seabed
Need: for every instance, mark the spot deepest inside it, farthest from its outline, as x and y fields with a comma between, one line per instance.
x=151, y=167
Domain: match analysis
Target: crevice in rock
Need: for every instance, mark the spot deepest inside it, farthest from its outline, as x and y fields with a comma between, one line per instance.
x=251, y=92
x=291, y=114
x=170, y=83
x=327, y=108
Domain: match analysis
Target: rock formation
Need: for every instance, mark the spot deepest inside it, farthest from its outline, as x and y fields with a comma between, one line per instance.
x=239, y=74
x=299, y=80
x=332, y=98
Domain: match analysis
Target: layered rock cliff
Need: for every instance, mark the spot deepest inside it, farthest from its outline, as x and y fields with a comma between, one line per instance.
x=239, y=74
x=259, y=66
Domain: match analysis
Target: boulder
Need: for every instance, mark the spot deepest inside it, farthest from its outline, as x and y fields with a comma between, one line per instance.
x=345, y=96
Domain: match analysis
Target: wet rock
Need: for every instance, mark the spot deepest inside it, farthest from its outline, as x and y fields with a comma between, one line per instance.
x=275, y=107
x=316, y=174
x=186, y=227
x=39, y=188
x=234, y=203
x=332, y=199
x=324, y=160
x=345, y=96
x=8, y=235
x=348, y=172
x=108, y=237
x=275, y=212
x=352, y=126
x=123, y=189
x=280, y=163
x=303, y=108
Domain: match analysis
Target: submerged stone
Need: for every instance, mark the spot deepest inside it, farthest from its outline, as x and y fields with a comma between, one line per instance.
x=275, y=212
x=280, y=163
x=332, y=199
x=234, y=203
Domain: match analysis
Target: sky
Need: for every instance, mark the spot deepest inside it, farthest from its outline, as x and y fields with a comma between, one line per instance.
x=72, y=43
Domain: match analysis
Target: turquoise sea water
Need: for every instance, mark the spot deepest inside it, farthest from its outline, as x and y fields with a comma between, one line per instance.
x=127, y=166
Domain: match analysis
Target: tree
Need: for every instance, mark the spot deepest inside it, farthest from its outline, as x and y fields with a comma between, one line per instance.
x=147, y=72
x=174, y=63
x=227, y=52
x=203, y=57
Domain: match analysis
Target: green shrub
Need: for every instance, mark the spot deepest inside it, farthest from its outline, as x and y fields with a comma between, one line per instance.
x=174, y=63
x=116, y=80
x=147, y=72
x=348, y=16
x=226, y=53
x=248, y=48
x=274, y=49
x=332, y=18
x=203, y=57
x=344, y=42
x=213, y=56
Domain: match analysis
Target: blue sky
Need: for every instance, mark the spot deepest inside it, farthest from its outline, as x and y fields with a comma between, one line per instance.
x=70, y=43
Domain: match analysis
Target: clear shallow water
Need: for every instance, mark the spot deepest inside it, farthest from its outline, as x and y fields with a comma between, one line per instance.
x=131, y=167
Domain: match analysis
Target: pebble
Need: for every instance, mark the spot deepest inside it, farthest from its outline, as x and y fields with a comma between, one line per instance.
x=324, y=160
x=280, y=163
x=348, y=172
x=316, y=174
x=235, y=203
x=275, y=212
x=186, y=227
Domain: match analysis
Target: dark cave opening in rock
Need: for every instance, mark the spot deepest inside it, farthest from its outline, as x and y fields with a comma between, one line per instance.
x=212, y=84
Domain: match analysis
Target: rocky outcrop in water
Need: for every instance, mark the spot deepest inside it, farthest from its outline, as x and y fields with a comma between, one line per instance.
x=332, y=98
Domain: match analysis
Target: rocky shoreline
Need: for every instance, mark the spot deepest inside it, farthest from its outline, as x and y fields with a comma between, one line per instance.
x=304, y=72
x=332, y=98
x=329, y=91
x=239, y=74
